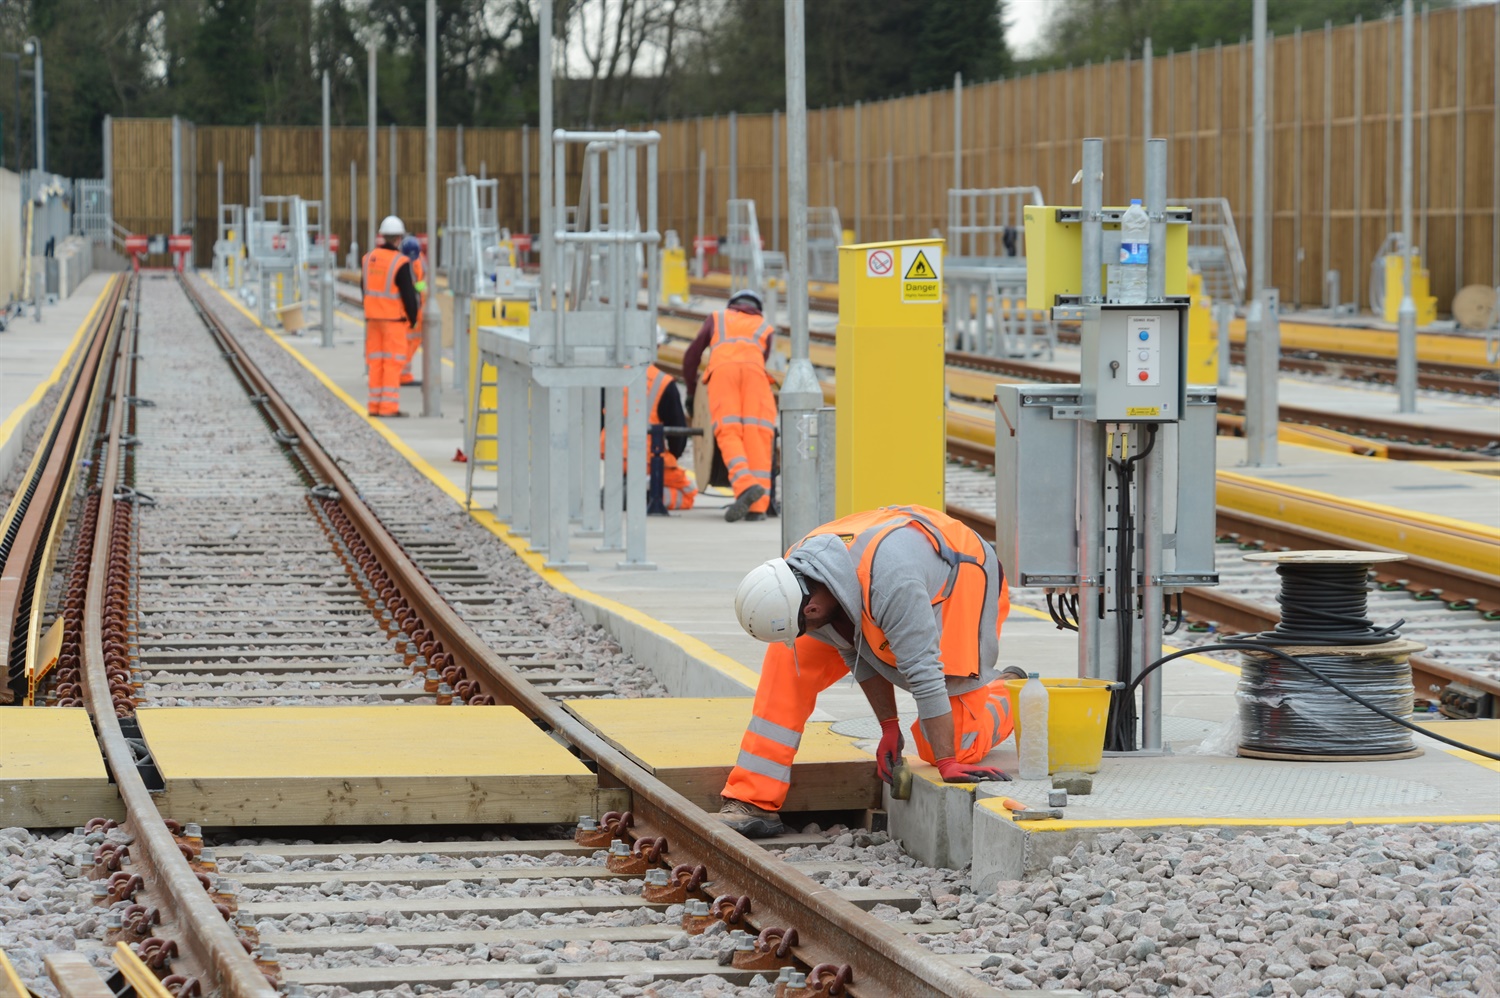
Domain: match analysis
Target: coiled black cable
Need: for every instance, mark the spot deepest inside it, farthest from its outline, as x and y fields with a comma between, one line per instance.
x=1324, y=604
x=1286, y=709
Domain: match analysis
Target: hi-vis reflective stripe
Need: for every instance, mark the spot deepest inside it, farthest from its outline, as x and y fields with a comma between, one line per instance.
x=749, y=421
x=776, y=732
x=989, y=705
x=389, y=291
x=968, y=739
x=762, y=766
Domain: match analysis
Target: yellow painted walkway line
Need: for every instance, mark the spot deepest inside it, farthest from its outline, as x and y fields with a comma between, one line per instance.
x=694, y=647
x=1195, y=821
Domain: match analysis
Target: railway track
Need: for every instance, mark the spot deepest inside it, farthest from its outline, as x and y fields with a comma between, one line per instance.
x=224, y=558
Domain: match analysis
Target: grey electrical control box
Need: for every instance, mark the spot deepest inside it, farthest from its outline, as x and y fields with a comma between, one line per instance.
x=1036, y=482
x=1133, y=363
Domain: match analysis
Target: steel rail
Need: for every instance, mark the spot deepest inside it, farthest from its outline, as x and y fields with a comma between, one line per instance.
x=832, y=930
x=208, y=947
x=34, y=507
x=1242, y=616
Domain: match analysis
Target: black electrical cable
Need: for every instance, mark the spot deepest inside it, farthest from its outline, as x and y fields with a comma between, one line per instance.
x=1121, y=725
x=1324, y=604
x=1254, y=644
x=1283, y=709
x=1059, y=613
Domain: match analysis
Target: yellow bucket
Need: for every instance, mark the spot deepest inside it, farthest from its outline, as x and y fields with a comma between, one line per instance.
x=1077, y=710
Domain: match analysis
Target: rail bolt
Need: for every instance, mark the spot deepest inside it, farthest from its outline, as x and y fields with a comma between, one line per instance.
x=430, y=682
x=824, y=979
x=696, y=917
x=444, y=695
x=114, y=929
x=771, y=949
x=674, y=888
x=622, y=860
x=590, y=834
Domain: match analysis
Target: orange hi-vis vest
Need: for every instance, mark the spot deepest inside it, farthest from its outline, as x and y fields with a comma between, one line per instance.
x=657, y=384
x=382, y=299
x=739, y=338
x=418, y=274
x=963, y=596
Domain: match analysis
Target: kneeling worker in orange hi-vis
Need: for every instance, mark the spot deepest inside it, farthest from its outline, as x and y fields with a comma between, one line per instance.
x=664, y=406
x=900, y=596
x=391, y=308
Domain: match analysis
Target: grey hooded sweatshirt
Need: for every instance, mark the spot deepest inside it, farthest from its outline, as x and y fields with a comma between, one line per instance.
x=906, y=575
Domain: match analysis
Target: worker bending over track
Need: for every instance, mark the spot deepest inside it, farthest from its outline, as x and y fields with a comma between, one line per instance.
x=664, y=406
x=899, y=596
x=412, y=250
x=740, y=402
x=391, y=309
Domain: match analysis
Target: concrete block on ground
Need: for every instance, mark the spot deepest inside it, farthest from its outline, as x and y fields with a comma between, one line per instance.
x=1011, y=850
x=936, y=824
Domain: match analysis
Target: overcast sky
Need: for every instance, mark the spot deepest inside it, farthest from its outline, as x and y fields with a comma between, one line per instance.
x=1024, y=21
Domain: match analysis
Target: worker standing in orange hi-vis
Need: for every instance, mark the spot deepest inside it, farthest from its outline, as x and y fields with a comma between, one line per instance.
x=412, y=250
x=899, y=596
x=740, y=401
x=391, y=308
x=664, y=406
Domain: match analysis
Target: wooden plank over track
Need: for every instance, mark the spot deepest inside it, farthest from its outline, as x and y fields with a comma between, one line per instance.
x=365, y=765
x=51, y=772
x=691, y=744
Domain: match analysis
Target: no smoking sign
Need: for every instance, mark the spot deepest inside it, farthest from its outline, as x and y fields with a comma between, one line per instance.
x=879, y=263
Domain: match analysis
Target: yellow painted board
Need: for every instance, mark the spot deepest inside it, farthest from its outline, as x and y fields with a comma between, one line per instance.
x=1432, y=348
x=1054, y=256
x=1426, y=535
x=51, y=772
x=1480, y=732
x=143, y=980
x=691, y=744
x=377, y=764
x=11, y=985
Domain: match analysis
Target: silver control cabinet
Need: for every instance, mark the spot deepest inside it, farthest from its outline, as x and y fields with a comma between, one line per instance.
x=1133, y=363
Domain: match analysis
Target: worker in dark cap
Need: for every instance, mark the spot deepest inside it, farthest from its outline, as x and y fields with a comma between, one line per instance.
x=740, y=401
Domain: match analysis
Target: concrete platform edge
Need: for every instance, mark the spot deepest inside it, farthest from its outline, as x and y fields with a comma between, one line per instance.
x=687, y=666
x=18, y=424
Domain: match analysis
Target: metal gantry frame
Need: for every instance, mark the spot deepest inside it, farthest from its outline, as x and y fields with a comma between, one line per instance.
x=473, y=229
x=825, y=233
x=280, y=236
x=578, y=344
x=984, y=268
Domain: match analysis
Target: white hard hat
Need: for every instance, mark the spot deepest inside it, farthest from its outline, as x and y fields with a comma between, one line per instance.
x=392, y=226
x=768, y=602
x=750, y=294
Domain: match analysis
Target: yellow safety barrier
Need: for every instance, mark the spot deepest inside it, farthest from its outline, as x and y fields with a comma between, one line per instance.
x=674, y=275
x=140, y=977
x=508, y=249
x=489, y=312
x=1432, y=348
x=1438, y=538
x=890, y=362
x=1318, y=437
x=1426, y=303
x=11, y=985
x=1203, y=338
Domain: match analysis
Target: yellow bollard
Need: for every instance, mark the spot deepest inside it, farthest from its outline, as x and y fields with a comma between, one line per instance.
x=674, y=275
x=1203, y=340
x=1426, y=303
x=889, y=355
x=489, y=312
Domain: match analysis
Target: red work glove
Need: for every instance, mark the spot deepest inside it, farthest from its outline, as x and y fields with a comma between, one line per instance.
x=954, y=773
x=888, y=753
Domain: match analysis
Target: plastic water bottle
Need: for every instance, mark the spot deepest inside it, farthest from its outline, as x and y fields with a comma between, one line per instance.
x=1135, y=253
x=1033, y=708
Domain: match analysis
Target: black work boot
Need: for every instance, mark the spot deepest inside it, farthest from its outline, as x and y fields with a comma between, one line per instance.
x=749, y=820
x=736, y=510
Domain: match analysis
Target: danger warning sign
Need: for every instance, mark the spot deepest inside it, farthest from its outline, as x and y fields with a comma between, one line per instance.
x=921, y=273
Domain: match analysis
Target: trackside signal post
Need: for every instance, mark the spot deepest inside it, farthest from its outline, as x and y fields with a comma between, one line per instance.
x=1129, y=522
x=892, y=416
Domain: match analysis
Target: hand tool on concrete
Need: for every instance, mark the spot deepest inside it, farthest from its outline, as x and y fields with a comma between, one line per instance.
x=1020, y=812
x=901, y=780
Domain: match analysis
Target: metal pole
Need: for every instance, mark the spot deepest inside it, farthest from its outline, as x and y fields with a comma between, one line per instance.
x=958, y=131
x=1156, y=207
x=698, y=251
x=354, y=210
x=432, y=328
x=890, y=194
x=370, y=152
x=176, y=174
x=41, y=134
x=734, y=156
x=109, y=166
x=1327, y=257
x=1093, y=232
x=325, y=223
x=260, y=172
x=859, y=176
x=801, y=395
x=394, y=164
x=1406, y=316
x=525, y=178
x=776, y=180
x=461, y=170
x=544, y=146
x=218, y=218
x=1258, y=155
x=1146, y=97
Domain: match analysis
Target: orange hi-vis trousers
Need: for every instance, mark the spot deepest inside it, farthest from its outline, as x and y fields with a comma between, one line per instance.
x=743, y=411
x=678, y=490
x=385, y=351
x=412, y=344
x=790, y=682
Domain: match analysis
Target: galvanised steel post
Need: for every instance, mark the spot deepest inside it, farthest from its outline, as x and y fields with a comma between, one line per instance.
x=958, y=131
x=1262, y=347
x=370, y=152
x=1406, y=316
x=35, y=47
x=734, y=156
x=801, y=395
x=176, y=175
x=325, y=223
x=432, y=331
x=1147, y=81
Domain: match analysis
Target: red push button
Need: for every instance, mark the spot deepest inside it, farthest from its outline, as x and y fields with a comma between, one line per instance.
x=1144, y=376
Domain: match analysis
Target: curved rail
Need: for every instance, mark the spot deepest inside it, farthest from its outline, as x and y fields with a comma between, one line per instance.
x=830, y=929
